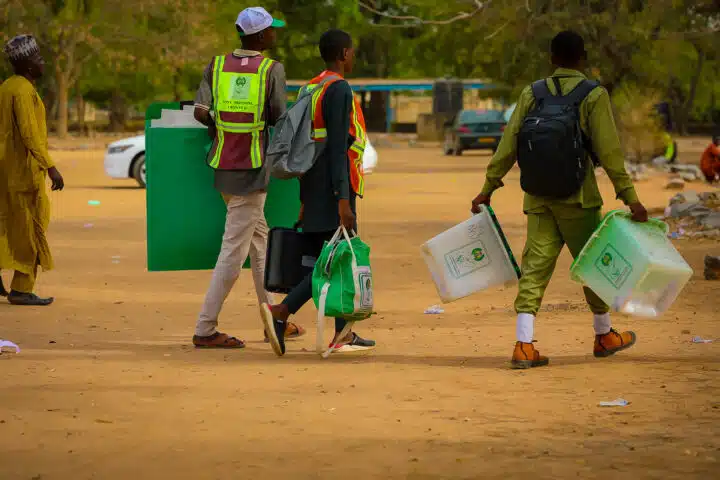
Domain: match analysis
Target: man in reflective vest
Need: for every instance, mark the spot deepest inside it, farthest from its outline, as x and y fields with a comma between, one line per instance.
x=329, y=190
x=247, y=94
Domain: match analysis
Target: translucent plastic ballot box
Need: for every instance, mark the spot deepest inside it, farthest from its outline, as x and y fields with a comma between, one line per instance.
x=631, y=266
x=472, y=256
x=185, y=214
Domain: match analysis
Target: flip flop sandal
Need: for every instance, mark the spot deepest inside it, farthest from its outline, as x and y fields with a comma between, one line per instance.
x=293, y=331
x=218, y=340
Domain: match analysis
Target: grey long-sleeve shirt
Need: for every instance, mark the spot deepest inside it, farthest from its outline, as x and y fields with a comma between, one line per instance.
x=244, y=182
x=329, y=179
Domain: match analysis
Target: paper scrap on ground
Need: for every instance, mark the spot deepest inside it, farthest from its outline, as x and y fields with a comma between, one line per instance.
x=93, y=202
x=8, y=344
x=434, y=310
x=702, y=340
x=88, y=225
x=620, y=402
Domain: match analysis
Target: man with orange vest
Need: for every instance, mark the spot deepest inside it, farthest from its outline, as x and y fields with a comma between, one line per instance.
x=328, y=190
x=247, y=94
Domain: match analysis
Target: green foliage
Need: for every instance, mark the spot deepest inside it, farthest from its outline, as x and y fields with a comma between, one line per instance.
x=640, y=129
x=140, y=51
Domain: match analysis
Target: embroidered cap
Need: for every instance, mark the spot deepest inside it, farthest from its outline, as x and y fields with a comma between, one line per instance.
x=256, y=19
x=20, y=47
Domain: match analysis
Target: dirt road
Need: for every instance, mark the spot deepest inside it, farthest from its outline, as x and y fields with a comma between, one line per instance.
x=108, y=387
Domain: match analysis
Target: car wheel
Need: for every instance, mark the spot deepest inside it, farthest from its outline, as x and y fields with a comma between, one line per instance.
x=139, y=171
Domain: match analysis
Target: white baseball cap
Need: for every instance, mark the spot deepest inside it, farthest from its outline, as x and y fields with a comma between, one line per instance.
x=256, y=19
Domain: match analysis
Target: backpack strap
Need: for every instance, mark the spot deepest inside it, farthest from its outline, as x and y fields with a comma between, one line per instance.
x=540, y=91
x=581, y=91
x=330, y=78
x=576, y=97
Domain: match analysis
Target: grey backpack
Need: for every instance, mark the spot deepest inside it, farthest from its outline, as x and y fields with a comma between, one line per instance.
x=292, y=151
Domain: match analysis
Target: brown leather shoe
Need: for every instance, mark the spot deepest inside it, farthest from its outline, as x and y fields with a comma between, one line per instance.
x=525, y=356
x=613, y=342
x=217, y=340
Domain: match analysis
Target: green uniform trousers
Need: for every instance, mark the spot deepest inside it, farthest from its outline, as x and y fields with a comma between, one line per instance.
x=549, y=228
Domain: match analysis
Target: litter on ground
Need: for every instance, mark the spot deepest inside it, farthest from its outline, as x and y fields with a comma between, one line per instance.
x=8, y=344
x=620, y=402
x=434, y=310
x=698, y=339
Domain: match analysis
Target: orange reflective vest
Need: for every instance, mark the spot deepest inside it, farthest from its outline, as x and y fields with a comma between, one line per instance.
x=357, y=129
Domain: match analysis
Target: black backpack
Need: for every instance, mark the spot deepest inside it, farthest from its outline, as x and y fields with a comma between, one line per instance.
x=552, y=150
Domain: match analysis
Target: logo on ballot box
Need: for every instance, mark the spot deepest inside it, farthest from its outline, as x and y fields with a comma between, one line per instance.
x=465, y=260
x=613, y=266
x=478, y=254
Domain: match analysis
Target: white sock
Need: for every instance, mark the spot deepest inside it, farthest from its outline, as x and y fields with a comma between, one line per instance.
x=602, y=324
x=525, y=327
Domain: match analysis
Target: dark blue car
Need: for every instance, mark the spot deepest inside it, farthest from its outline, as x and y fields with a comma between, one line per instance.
x=474, y=130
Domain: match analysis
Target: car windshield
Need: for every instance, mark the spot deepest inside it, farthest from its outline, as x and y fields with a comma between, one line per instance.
x=481, y=116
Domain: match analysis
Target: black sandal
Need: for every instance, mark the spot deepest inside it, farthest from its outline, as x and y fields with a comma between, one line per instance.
x=3, y=292
x=28, y=299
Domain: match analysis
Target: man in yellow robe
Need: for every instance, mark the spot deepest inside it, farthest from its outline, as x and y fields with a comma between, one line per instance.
x=24, y=166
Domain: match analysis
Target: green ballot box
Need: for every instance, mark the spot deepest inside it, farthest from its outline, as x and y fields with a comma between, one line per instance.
x=185, y=214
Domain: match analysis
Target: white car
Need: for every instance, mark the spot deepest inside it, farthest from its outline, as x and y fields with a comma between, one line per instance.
x=126, y=159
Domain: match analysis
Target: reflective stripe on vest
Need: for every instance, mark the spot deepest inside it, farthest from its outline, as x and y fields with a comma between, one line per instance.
x=357, y=130
x=245, y=93
x=357, y=149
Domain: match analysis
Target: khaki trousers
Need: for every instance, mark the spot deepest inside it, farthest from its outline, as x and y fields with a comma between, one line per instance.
x=548, y=230
x=246, y=232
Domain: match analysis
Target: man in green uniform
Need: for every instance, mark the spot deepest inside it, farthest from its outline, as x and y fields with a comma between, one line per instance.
x=552, y=223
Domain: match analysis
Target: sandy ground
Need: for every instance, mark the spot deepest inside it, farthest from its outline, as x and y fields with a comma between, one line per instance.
x=107, y=385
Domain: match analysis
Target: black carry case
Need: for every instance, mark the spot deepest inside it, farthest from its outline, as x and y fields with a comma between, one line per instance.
x=286, y=264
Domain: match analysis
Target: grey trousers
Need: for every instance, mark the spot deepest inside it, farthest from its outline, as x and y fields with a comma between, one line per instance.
x=246, y=233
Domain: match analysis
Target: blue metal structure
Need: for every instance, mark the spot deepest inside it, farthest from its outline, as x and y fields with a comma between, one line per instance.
x=395, y=85
x=390, y=85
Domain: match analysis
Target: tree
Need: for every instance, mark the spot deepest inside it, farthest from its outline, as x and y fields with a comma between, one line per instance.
x=130, y=52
